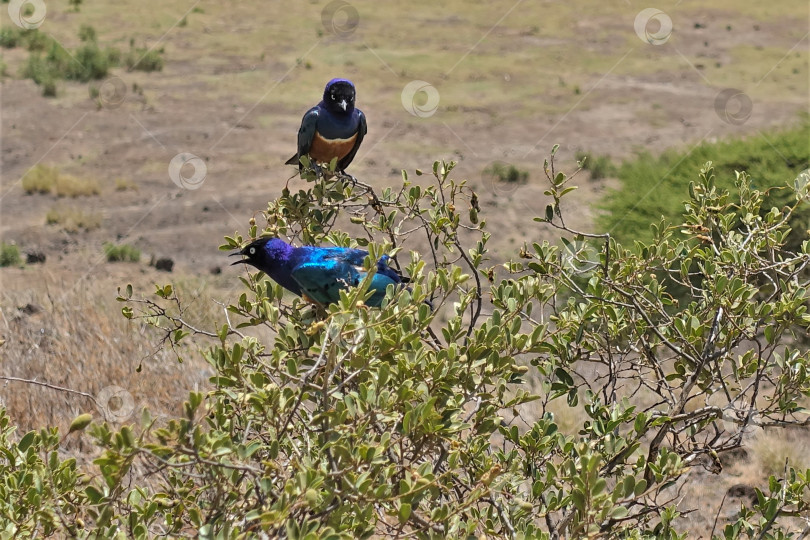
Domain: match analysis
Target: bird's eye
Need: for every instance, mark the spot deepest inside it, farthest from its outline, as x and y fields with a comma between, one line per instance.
x=252, y=251
x=333, y=97
x=351, y=98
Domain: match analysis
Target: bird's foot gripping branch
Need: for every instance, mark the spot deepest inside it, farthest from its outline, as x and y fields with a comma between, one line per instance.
x=570, y=392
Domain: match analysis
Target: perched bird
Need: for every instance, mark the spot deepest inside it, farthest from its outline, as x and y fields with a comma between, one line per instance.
x=318, y=273
x=333, y=128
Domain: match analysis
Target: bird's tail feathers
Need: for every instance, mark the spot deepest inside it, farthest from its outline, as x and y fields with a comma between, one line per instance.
x=292, y=161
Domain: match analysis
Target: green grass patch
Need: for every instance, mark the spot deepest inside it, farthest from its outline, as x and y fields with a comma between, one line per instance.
x=49, y=62
x=598, y=166
x=121, y=253
x=9, y=255
x=505, y=172
x=143, y=59
x=654, y=187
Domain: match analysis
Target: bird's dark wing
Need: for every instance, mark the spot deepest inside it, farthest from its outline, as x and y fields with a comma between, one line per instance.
x=309, y=125
x=362, y=128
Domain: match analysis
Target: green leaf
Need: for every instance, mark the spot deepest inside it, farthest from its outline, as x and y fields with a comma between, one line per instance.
x=80, y=422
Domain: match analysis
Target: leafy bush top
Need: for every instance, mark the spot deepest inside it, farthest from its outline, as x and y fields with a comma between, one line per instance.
x=352, y=422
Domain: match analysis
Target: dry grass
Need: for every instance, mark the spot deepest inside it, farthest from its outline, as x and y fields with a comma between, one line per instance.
x=73, y=219
x=122, y=184
x=73, y=336
x=40, y=179
x=45, y=179
x=73, y=186
x=774, y=446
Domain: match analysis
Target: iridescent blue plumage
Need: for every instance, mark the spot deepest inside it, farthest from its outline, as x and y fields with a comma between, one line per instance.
x=318, y=273
x=333, y=129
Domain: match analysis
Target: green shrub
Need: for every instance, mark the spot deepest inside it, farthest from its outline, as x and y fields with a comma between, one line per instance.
x=506, y=172
x=12, y=36
x=92, y=63
x=88, y=62
x=121, y=253
x=87, y=33
x=598, y=166
x=9, y=255
x=36, y=41
x=143, y=59
x=438, y=421
x=9, y=36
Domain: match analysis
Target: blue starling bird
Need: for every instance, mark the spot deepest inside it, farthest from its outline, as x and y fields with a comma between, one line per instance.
x=318, y=273
x=333, y=128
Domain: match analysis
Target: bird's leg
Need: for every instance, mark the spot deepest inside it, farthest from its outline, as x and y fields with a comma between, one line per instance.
x=319, y=308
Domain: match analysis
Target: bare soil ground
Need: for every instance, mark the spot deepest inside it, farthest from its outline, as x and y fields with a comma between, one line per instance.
x=513, y=79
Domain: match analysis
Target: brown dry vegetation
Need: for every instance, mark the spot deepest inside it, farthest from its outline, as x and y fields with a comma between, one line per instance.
x=236, y=80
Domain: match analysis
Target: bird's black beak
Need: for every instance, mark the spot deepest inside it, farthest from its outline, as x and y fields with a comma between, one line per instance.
x=239, y=261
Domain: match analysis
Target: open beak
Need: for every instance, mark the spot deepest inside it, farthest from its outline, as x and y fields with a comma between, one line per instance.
x=343, y=104
x=239, y=261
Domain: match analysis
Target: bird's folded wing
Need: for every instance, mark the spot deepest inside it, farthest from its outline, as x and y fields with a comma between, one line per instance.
x=322, y=279
x=362, y=129
x=309, y=125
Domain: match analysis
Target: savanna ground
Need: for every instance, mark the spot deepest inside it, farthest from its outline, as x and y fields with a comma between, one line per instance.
x=512, y=80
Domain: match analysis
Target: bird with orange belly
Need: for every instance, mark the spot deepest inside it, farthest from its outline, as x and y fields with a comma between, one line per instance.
x=332, y=129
